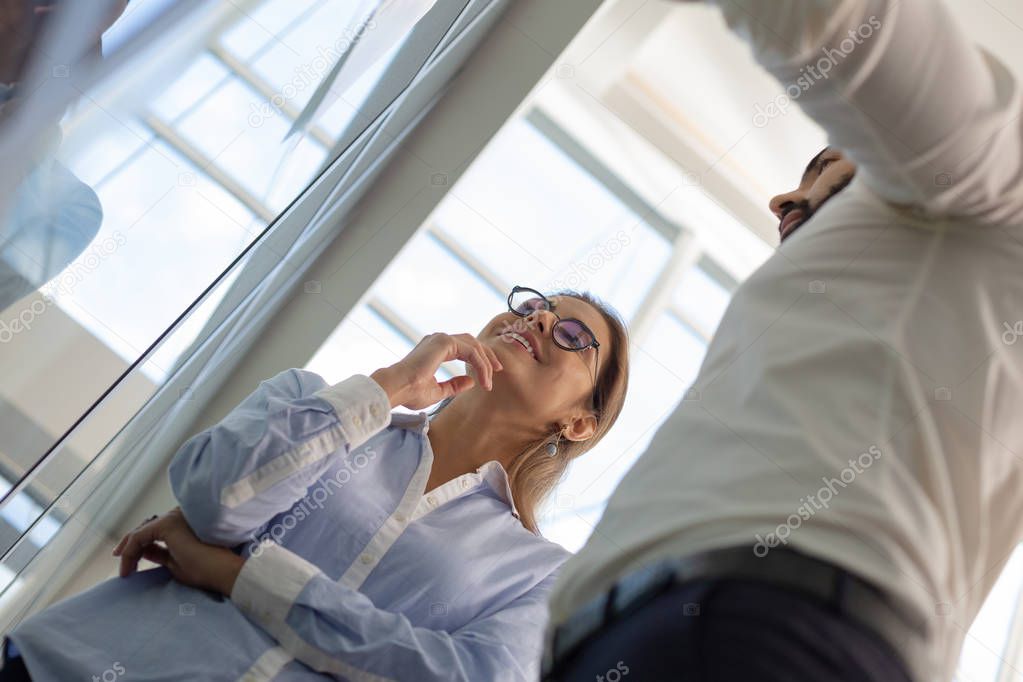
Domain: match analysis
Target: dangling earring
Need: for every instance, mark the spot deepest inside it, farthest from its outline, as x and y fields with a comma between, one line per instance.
x=552, y=444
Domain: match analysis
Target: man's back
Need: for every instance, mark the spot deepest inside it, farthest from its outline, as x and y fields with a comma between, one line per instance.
x=859, y=398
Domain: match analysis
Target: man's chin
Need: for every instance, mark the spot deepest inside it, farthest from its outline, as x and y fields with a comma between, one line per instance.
x=791, y=229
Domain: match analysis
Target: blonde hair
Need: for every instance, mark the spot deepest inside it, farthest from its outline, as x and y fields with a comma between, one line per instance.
x=534, y=473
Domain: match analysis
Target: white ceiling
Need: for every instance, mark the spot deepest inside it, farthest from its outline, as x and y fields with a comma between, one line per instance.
x=676, y=76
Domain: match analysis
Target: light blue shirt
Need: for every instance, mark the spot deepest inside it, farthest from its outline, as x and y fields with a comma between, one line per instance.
x=351, y=570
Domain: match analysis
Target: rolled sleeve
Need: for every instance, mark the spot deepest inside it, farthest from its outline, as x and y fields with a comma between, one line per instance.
x=334, y=629
x=362, y=406
x=269, y=583
x=231, y=479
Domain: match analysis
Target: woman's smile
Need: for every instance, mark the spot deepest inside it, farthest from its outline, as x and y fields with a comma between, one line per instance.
x=519, y=341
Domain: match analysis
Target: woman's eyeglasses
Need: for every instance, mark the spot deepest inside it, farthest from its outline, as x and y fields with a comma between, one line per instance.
x=569, y=334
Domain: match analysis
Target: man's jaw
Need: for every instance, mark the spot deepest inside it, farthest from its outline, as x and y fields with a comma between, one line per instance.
x=790, y=221
x=803, y=211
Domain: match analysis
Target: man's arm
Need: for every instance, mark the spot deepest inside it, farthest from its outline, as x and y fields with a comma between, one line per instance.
x=929, y=118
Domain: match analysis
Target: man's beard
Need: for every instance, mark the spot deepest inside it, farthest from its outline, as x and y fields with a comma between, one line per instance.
x=809, y=211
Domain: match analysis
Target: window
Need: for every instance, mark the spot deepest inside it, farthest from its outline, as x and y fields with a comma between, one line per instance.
x=663, y=366
x=195, y=172
x=188, y=157
x=700, y=299
x=537, y=209
x=986, y=654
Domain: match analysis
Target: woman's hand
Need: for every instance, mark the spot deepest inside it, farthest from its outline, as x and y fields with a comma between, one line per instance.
x=191, y=561
x=411, y=381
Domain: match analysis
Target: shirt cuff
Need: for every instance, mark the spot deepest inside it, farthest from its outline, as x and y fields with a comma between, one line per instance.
x=269, y=583
x=361, y=404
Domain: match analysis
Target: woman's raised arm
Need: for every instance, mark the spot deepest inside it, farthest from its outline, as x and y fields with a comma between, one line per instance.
x=232, y=478
x=235, y=476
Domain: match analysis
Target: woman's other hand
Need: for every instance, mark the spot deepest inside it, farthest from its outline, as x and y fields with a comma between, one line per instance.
x=190, y=561
x=411, y=381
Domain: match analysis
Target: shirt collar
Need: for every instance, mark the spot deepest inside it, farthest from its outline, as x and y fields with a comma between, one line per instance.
x=497, y=477
x=492, y=471
x=417, y=421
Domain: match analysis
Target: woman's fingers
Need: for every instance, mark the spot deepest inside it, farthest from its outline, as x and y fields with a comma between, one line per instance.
x=120, y=545
x=483, y=366
x=156, y=554
x=420, y=386
x=465, y=351
x=135, y=543
x=455, y=385
x=493, y=357
x=124, y=540
x=481, y=360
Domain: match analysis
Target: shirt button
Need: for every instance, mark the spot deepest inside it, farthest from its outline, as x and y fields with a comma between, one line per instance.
x=366, y=558
x=357, y=420
x=465, y=483
x=399, y=517
x=432, y=500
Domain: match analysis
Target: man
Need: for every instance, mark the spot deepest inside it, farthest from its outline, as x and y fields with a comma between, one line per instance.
x=839, y=490
x=826, y=175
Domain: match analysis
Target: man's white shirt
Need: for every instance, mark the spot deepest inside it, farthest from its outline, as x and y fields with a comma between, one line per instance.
x=861, y=398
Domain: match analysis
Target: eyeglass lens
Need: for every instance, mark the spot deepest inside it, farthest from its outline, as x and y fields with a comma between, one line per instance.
x=568, y=332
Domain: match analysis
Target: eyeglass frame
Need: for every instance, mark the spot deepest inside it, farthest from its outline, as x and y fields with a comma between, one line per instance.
x=550, y=308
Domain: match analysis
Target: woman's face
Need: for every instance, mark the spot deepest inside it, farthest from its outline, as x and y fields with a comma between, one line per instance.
x=556, y=383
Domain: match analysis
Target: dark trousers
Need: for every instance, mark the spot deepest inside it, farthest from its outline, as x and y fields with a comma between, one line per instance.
x=14, y=669
x=717, y=630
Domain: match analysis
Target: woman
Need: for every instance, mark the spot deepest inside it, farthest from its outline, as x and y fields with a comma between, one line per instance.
x=367, y=545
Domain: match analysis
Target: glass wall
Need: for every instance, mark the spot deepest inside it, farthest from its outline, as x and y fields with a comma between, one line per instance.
x=139, y=206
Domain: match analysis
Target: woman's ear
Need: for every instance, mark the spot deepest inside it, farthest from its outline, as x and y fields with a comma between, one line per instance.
x=582, y=427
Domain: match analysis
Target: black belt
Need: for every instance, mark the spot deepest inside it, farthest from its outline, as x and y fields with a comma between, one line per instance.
x=904, y=630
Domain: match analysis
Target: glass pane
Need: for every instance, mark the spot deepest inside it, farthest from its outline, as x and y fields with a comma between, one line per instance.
x=132, y=202
x=661, y=370
x=305, y=54
x=701, y=299
x=222, y=129
x=348, y=108
x=361, y=344
x=168, y=354
x=131, y=294
x=675, y=349
x=551, y=222
x=97, y=156
x=201, y=76
x=983, y=654
x=139, y=196
x=260, y=27
x=433, y=291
